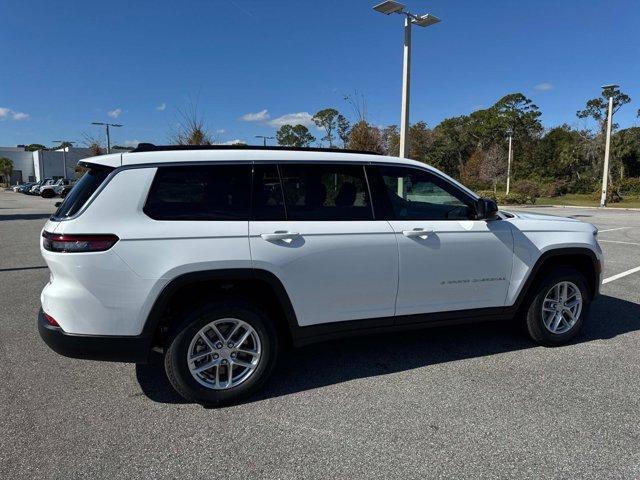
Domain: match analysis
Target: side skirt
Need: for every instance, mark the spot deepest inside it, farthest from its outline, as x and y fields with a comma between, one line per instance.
x=330, y=331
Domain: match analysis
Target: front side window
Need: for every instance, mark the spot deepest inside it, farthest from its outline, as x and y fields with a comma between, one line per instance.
x=200, y=192
x=325, y=192
x=413, y=194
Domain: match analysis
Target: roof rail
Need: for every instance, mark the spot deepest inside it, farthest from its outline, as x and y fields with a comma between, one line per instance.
x=150, y=147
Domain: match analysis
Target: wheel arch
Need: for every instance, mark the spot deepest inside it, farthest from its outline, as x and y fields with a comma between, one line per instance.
x=582, y=259
x=193, y=288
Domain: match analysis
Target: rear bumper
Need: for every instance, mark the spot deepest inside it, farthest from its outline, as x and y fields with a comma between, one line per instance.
x=132, y=349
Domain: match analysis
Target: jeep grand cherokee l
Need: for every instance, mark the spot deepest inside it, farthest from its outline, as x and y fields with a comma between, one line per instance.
x=217, y=257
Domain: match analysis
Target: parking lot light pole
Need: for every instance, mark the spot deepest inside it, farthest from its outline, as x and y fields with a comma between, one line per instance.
x=607, y=145
x=509, y=161
x=264, y=139
x=64, y=154
x=108, y=137
x=387, y=8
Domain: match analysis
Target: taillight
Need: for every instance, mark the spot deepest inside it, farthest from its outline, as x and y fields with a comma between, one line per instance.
x=50, y=320
x=78, y=243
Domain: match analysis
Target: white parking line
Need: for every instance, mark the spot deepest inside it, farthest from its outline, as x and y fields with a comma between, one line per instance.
x=618, y=241
x=620, y=275
x=612, y=229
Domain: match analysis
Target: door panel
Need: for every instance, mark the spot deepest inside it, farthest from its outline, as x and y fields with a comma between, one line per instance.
x=447, y=260
x=332, y=271
x=335, y=261
x=460, y=265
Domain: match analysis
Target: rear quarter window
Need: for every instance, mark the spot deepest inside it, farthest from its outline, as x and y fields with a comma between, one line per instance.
x=82, y=191
x=208, y=192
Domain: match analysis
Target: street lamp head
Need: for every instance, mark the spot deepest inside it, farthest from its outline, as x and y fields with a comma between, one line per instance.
x=425, y=20
x=389, y=7
x=610, y=85
x=104, y=123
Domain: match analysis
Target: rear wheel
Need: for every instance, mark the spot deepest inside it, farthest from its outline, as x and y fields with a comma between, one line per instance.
x=221, y=353
x=558, y=308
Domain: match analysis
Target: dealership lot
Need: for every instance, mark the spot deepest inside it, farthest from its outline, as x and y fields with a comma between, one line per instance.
x=475, y=401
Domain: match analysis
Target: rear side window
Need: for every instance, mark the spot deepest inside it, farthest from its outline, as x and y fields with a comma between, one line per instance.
x=207, y=192
x=82, y=191
x=325, y=192
x=268, y=201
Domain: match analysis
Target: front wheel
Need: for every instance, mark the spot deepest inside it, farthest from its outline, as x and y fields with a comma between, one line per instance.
x=558, y=308
x=222, y=353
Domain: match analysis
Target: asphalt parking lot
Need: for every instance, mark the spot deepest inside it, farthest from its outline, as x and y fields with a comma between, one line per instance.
x=462, y=402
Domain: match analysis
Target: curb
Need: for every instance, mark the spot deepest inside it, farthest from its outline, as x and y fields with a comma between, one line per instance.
x=632, y=209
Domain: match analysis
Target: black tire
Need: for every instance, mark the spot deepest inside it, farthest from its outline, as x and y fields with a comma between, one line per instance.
x=47, y=194
x=175, y=360
x=534, y=321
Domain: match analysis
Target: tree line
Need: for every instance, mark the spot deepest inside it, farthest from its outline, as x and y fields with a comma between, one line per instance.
x=473, y=148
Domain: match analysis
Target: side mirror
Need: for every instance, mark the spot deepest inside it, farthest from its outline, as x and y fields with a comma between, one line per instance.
x=57, y=204
x=485, y=208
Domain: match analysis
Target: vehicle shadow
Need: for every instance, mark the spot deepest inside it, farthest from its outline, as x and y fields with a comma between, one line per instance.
x=25, y=216
x=339, y=361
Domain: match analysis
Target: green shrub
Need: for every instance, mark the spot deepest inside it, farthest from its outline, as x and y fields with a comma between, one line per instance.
x=628, y=186
x=583, y=185
x=516, y=198
x=555, y=188
x=612, y=195
x=528, y=190
x=488, y=194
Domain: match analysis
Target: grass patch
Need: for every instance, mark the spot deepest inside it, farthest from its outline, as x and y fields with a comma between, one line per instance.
x=586, y=200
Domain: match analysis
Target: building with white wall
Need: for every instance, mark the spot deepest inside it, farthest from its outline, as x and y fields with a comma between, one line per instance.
x=34, y=166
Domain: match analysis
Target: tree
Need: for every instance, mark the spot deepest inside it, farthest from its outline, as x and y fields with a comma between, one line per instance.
x=343, y=130
x=494, y=165
x=34, y=147
x=625, y=148
x=328, y=120
x=366, y=137
x=452, y=146
x=597, y=108
x=191, y=129
x=294, y=136
x=6, y=168
x=93, y=144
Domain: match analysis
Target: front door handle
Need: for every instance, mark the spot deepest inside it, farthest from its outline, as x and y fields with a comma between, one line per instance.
x=286, y=236
x=417, y=232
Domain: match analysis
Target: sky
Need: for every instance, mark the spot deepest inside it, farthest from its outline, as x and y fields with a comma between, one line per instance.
x=251, y=65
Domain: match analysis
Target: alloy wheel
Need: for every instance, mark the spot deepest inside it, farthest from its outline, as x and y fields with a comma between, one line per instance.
x=561, y=307
x=224, y=353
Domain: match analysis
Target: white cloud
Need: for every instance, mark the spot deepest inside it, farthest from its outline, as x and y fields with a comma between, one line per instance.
x=231, y=142
x=220, y=131
x=8, y=113
x=260, y=116
x=115, y=113
x=302, y=118
x=131, y=143
x=20, y=116
x=543, y=87
x=162, y=107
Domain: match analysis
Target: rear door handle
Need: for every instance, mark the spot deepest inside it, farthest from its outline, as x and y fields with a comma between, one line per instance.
x=270, y=237
x=417, y=232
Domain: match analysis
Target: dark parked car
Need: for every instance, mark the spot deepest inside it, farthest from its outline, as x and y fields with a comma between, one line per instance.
x=25, y=187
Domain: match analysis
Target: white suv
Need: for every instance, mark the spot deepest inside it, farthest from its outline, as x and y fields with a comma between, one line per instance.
x=216, y=257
